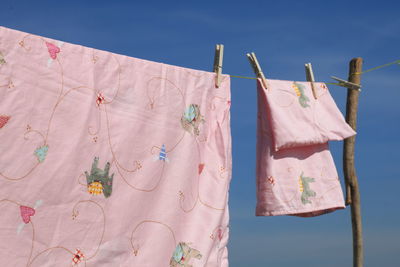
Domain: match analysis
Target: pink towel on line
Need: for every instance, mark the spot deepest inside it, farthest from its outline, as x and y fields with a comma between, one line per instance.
x=108, y=160
x=296, y=174
x=298, y=120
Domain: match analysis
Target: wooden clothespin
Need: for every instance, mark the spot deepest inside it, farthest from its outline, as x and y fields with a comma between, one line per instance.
x=347, y=84
x=310, y=78
x=256, y=68
x=218, y=59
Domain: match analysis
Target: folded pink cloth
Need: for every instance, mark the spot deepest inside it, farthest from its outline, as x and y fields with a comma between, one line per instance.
x=296, y=174
x=297, y=119
x=108, y=160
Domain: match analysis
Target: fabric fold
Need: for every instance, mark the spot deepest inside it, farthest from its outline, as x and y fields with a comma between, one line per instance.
x=299, y=119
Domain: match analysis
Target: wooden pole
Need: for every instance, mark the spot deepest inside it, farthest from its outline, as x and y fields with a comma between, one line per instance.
x=352, y=191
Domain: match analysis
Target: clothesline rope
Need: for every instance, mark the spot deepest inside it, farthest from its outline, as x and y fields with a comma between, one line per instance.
x=379, y=67
x=368, y=70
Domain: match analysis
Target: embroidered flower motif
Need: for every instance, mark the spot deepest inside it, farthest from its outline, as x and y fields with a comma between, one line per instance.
x=303, y=99
x=2, y=60
x=218, y=233
x=3, y=120
x=78, y=257
x=41, y=152
x=305, y=189
x=271, y=180
x=99, y=181
x=53, y=50
x=183, y=254
x=201, y=167
x=26, y=213
x=100, y=99
x=191, y=119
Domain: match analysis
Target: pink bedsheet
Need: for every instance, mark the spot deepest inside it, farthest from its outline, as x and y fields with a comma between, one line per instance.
x=109, y=160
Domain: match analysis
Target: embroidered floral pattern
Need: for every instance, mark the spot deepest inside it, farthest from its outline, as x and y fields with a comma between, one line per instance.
x=271, y=180
x=26, y=213
x=191, y=119
x=99, y=181
x=3, y=120
x=183, y=255
x=100, y=99
x=78, y=257
x=53, y=50
x=305, y=189
x=41, y=153
x=303, y=99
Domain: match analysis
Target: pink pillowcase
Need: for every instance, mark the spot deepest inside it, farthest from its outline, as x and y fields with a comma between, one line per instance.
x=298, y=119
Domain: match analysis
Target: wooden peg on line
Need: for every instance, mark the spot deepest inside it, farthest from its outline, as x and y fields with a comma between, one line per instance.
x=256, y=68
x=218, y=59
x=310, y=78
x=347, y=84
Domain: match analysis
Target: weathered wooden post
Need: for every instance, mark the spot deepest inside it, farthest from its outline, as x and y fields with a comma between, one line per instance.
x=352, y=191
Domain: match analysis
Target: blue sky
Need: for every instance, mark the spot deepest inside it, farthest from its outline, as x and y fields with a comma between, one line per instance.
x=284, y=35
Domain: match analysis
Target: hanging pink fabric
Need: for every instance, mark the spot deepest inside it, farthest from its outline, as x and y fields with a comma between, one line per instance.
x=296, y=174
x=108, y=160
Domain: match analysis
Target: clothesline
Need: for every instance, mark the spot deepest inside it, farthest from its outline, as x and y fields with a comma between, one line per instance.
x=365, y=71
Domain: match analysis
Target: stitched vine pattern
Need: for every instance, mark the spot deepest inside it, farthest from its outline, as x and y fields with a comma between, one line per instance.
x=303, y=194
x=198, y=197
x=223, y=172
x=182, y=254
x=77, y=256
x=155, y=150
x=136, y=247
x=26, y=213
x=41, y=151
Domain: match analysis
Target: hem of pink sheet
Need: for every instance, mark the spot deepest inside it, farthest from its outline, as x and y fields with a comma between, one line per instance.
x=311, y=212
